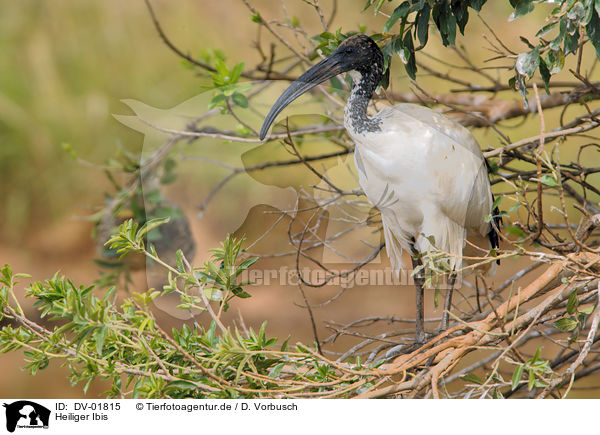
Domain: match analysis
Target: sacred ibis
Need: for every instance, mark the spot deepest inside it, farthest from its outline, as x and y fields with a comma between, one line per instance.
x=423, y=171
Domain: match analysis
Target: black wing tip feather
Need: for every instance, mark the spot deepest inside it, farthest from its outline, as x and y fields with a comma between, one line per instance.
x=493, y=234
x=496, y=219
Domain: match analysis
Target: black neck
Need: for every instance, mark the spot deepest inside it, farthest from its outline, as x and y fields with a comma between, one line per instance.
x=355, y=113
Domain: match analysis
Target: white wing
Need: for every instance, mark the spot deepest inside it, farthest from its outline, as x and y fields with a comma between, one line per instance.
x=428, y=177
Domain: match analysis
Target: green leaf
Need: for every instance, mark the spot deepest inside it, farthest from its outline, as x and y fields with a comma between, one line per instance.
x=240, y=293
x=451, y=28
x=461, y=12
x=174, y=386
x=477, y=4
x=593, y=29
x=587, y=310
x=577, y=13
x=301, y=348
x=526, y=42
x=566, y=324
x=555, y=60
x=255, y=17
x=275, y=371
x=572, y=303
x=422, y=25
x=240, y=99
x=82, y=336
x=368, y=5
x=236, y=72
x=515, y=231
x=247, y=263
x=571, y=42
x=545, y=73
x=546, y=29
x=6, y=275
x=217, y=100
x=242, y=130
x=109, y=293
x=179, y=261
x=410, y=64
x=100, y=337
x=385, y=80
x=548, y=180
x=473, y=378
x=527, y=63
x=214, y=272
x=400, y=12
x=531, y=380
x=497, y=394
x=378, y=6
x=523, y=7
x=221, y=68
x=445, y=22
x=517, y=375
x=555, y=43
x=150, y=225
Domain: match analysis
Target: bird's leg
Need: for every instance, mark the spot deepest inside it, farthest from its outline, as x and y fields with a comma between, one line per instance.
x=448, y=302
x=419, y=318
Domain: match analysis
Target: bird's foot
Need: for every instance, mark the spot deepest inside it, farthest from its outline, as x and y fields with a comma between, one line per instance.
x=443, y=326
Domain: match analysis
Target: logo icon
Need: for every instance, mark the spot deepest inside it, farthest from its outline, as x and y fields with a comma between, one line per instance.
x=26, y=414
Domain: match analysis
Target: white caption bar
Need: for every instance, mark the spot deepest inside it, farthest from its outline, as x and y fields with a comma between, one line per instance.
x=89, y=417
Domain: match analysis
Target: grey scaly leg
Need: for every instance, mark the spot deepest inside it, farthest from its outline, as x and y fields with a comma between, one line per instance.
x=419, y=318
x=448, y=302
x=420, y=314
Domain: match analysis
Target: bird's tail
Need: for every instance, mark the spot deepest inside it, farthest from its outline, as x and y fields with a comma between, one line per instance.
x=393, y=246
x=495, y=225
x=444, y=235
x=496, y=219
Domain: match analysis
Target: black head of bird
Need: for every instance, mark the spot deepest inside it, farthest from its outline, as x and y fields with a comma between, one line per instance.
x=357, y=53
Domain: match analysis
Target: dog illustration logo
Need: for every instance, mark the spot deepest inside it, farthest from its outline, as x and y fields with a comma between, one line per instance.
x=26, y=414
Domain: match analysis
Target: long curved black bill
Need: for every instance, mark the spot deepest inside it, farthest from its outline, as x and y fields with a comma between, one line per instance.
x=324, y=70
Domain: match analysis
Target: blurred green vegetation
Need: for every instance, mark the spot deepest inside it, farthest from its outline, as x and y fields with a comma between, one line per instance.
x=65, y=67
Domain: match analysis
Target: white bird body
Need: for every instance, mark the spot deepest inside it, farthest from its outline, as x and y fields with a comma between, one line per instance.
x=423, y=171
x=427, y=176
